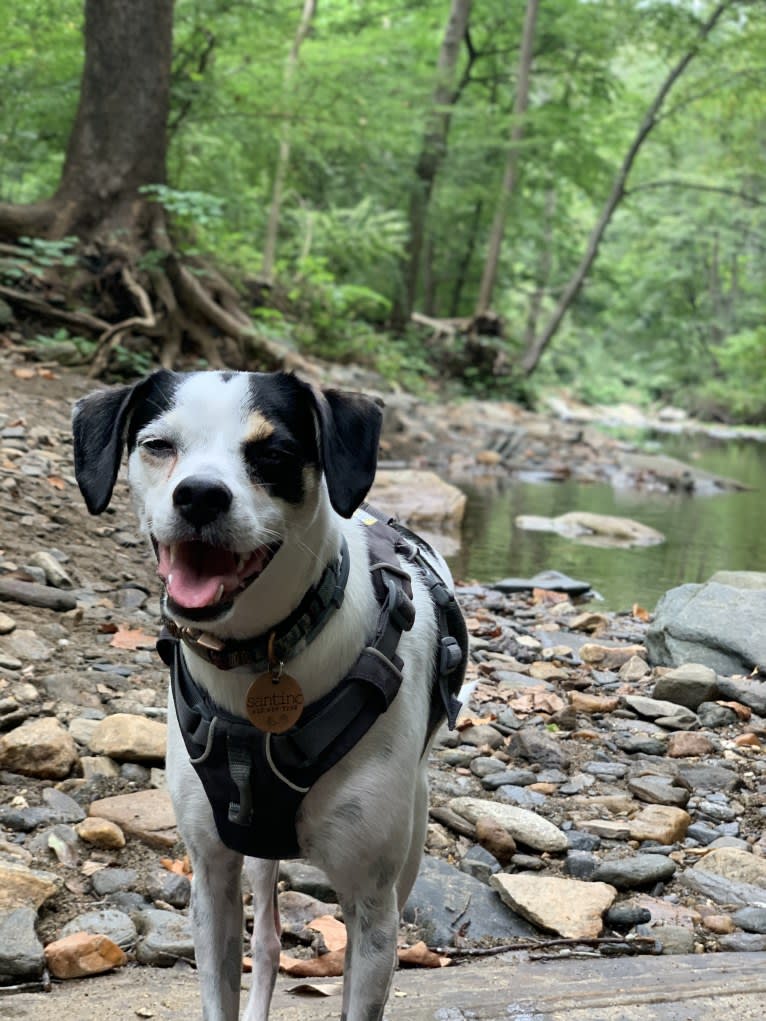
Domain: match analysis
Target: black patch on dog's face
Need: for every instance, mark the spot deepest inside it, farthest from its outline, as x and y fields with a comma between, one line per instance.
x=277, y=458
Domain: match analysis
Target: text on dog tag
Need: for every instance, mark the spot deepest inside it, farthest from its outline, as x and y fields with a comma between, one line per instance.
x=274, y=704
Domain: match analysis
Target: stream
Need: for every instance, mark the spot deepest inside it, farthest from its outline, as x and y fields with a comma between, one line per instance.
x=703, y=533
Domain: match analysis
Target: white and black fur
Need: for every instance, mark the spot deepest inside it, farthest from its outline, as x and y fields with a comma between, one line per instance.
x=265, y=462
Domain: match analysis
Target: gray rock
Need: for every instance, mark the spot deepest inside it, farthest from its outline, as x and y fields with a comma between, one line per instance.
x=702, y=833
x=640, y=870
x=751, y=920
x=484, y=765
x=514, y=795
x=721, y=890
x=481, y=734
x=540, y=748
x=743, y=942
x=110, y=880
x=716, y=811
x=110, y=921
x=479, y=863
x=674, y=939
x=307, y=879
x=165, y=938
x=577, y=784
x=606, y=770
x=580, y=864
x=641, y=744
x=21, y=952
x=625, y=916
x=712, y=716
x=580, y=841
x=555, y=581
x=666, y=714
x=719, y=626
x=709, y=777
x=517, y=777
x=61, y=807
x=689, y=685
x=659, y=790
x=443, y=900
x=170, y=887
x=750, y=693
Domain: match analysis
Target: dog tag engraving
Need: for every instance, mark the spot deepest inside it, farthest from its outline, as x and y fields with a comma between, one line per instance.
x=274, y=703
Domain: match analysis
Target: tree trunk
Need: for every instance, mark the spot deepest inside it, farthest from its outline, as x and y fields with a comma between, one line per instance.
x=116, y=148
x=489, y=276
x=432, y=151
x=283, y=156
x=466, y=259
x=534, y=352
x=543, y=271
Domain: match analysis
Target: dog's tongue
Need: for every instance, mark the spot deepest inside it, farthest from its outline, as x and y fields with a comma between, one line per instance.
x=199, y=574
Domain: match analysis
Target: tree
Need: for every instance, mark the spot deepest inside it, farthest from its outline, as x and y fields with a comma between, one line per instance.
x=521, y=101
x=114, y=172
x=432, y=152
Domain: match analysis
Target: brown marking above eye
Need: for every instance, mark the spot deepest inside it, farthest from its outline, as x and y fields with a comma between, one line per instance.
x=258, y=428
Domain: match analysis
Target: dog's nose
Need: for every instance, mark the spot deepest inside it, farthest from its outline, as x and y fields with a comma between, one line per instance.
x=201, y=501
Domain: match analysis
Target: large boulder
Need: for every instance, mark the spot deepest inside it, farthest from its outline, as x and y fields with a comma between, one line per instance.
x=715, y=624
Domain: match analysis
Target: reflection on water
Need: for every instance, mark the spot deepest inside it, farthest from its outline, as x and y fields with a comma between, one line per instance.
x=703, y=534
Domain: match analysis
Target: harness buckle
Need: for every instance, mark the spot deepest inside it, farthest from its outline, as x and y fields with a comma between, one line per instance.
x=450, y=655
x=401, y=608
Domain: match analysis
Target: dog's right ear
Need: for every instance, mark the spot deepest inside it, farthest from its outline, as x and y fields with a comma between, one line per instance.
x=100, y=424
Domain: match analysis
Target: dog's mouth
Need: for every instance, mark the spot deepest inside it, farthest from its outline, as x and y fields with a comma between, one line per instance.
x=200, y=577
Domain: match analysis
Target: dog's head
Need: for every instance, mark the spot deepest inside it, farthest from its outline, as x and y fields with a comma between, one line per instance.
x=224, y=467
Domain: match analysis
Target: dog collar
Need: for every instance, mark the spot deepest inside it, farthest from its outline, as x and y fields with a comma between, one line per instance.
x=289, y=637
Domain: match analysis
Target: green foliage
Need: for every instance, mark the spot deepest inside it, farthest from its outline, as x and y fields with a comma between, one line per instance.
x=740, y=389
x=36, y=255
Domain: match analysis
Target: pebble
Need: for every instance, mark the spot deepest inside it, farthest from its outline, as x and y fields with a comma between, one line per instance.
x=689, y=685
x=638, y=871
x=110, y=880
x=540, y=748
x=525, y=827
x=101, y=833
x=659, y=790
x=116, y=925
x=517, y=777
x=686, y=744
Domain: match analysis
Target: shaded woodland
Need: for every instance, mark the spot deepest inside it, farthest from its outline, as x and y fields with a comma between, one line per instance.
x=506, y=195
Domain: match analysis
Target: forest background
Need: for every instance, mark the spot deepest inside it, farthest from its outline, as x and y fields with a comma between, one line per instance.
x=499, y=196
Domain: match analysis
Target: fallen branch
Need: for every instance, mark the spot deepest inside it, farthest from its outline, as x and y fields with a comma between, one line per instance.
x=31, y=594
x=639, y=942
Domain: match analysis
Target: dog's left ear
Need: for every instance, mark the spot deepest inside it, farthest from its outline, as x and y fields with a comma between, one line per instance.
x=100, y=425
x=349, y=427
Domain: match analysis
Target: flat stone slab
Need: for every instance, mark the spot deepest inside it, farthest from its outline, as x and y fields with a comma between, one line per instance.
x=147, y=815
x=569, y=907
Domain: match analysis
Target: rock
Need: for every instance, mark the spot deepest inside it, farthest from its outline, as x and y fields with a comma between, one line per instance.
x=719, y=626
x=485, y=765
x=689, y=685
x=663, y=823
x=634, y=669
x=593, y=529
x=719, y=924
x=740, y=866
x=40, y=748
x=703, y=777
x=516, y=777
x=27, y=646
x=659, y=790
x=743, y=942
x=748, y=692
x=569, y=907
x=580, y=864
x=583, y=702
x=540, y=748
x=624, y=917
x=479, y=863
x=81, y=954
x=684, y=744
x=169, y=887
x=495, y=838
x=21, y=952
x=109, y=922
x=553, y=581
x=147, y=815
x=98, y=765
x=751, y=919
x=675, y=939
x=444, y=900
x=640, y=870
x=307, y=879
x=113, y=880
x=719, y=889
x=101, y=833
x=418, y=498
x=608, y=829
x=55, y=574
x=296, y=909
x=712, y=716
x=480, y=734
x=7, y=624
x=666, y=714
x=608, y=657
x=525, y=797
x=525, y=827
x=24, y=887
x=130, y=738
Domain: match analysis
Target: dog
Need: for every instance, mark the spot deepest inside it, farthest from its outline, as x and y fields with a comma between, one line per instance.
x=286, y=599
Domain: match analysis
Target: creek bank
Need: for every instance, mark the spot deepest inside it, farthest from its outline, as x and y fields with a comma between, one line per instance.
x=578, y=748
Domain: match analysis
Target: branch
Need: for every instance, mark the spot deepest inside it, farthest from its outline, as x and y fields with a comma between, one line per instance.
x=572, y=289
x=639, y=942
x=692, y=186
x=80, y=319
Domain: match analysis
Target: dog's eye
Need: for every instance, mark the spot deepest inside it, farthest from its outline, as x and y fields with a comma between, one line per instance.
x=158, y=447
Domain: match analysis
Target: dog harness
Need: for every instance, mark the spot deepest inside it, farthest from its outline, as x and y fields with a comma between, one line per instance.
x=250, y=776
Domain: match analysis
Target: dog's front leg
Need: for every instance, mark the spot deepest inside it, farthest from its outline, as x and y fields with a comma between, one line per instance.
x=265, y=943
x=373, y=928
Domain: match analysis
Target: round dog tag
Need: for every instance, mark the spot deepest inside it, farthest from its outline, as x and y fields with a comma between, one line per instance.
x=274, y=702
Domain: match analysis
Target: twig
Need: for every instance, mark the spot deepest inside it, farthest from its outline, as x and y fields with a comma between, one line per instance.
x=542, y=944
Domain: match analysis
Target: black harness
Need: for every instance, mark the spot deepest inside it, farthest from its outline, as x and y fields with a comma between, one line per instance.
x=255, y=782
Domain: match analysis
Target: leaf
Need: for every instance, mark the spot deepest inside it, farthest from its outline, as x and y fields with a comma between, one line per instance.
x=179, y=866
x=56, y=482
x=333, y=932
x=25, y=373
x=132, y=638
x=327, y=966
x=741, y=710
x=311, y=989
x=640, y=613
x=419, y=956
x=474, y=721
x=547, y=596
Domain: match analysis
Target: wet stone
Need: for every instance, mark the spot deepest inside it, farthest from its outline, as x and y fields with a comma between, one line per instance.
x=631, y=873
x=624, y=917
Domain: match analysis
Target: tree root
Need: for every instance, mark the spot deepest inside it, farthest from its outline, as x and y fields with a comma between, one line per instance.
x=82, y=320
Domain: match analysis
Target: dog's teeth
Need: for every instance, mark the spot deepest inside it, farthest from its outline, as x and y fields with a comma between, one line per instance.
x=173, y=554
x=169, y=580
x=219, y=594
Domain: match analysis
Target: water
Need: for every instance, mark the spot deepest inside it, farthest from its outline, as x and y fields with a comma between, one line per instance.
x=703, y=533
